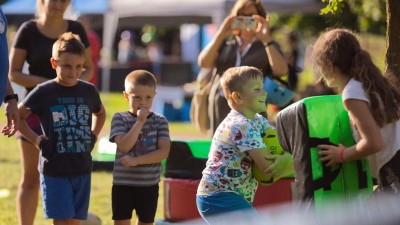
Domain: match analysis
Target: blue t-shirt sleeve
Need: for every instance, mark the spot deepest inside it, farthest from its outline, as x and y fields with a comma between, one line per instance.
x=4, y=65
x=97, y=100
x=33, y=99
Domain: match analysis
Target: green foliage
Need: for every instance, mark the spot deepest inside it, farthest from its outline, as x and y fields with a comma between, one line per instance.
x=334, y=6
x=310, y=26
x=371, y=14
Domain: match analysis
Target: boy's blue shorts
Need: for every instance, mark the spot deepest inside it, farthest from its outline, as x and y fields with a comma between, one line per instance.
x=65, y=197
x=224, y=202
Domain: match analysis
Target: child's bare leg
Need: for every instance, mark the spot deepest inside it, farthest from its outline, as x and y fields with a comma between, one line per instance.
x=66, y=222
x=122, y=222
x=141, y=223
x=28, y=188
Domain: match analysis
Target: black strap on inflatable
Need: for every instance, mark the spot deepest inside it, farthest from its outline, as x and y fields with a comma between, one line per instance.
x=328, y=175
x=362, y=176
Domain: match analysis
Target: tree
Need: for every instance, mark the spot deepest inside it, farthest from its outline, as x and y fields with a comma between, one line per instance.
x=393, y=39
x=392, y=67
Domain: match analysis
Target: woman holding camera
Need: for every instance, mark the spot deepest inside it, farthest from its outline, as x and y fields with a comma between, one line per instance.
x=240, y=45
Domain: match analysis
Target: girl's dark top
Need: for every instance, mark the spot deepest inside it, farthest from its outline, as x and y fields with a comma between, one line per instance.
x=65, y=114
x=39, y=47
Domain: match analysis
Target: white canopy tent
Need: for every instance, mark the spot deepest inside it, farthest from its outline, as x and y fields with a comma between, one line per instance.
x=78, y=6
x=174, y=11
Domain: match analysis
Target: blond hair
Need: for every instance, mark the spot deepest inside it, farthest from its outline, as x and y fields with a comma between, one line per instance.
x=68, y=43
x=234, y=78
x=139, y=77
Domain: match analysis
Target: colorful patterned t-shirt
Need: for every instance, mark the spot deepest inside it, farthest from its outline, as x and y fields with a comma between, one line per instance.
x=228, y=167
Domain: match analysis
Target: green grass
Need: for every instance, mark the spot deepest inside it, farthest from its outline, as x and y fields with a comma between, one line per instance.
x=100, y=202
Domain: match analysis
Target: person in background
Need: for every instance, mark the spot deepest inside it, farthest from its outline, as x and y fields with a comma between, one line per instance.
x=6, y=92
x=126, y=48
x=373, y=104
x=33, y=43
x=95, y=46
x=143, y=141
x=246, y=47
x=293, y=57
x=228, y=183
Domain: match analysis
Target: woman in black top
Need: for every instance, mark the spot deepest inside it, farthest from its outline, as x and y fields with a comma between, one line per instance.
x=246, y=47
x=33, y=44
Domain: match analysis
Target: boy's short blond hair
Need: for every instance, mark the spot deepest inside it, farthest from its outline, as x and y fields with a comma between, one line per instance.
x=234, y=78
x=139, y=77
x=68, y=43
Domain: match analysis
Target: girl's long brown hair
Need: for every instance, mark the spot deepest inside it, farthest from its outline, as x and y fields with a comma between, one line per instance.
x=340, y=48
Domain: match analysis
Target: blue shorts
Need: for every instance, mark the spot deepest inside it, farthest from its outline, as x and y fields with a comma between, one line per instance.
x=65, y=197
x=224, y=202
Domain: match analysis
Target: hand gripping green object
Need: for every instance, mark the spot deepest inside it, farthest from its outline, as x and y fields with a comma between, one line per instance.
x=274, y=148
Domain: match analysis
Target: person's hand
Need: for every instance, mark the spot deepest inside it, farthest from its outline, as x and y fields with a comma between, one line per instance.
x=225, y=30
x=39, y=139
x=128, y=161
x=11, y=112
x=262, y=30
x=330, y=154
x=142, y=114
x=282, y=165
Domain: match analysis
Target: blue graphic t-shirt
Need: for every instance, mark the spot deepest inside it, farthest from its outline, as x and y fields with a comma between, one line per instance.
x=65, y=114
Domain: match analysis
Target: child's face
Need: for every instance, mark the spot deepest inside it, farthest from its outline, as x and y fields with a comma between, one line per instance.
x=69, y=68
x=56, y=7
x=140, y=96
x=253, y=97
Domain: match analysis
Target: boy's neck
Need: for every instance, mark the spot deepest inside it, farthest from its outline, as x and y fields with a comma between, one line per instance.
x=61, y=83
x=244, y=112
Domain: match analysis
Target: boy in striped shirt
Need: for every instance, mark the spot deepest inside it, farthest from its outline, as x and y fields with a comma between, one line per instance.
x=142, y=139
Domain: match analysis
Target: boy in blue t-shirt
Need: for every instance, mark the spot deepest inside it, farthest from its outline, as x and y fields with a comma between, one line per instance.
x=71, y=115
x=142, y=139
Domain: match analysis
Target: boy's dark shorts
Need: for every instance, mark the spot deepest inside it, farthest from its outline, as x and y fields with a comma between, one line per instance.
x=143, y=200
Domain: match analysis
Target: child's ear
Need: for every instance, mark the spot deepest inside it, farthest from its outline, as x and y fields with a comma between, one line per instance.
x=53, y=63
x=126, y=95
x=236, y=97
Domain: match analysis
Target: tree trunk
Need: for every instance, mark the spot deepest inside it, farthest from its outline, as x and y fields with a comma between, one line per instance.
x=393, y=39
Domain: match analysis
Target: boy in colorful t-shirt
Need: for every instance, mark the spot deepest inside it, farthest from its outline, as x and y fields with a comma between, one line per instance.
x=228, y=183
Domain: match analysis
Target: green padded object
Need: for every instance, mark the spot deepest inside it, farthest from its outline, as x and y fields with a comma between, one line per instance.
x=199, y=147
x=274, y=148
x=328, y=122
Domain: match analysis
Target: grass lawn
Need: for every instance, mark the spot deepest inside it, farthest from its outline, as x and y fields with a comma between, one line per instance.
x=100, y=202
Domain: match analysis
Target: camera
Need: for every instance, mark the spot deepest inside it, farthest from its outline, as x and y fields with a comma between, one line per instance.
x=244, y=22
